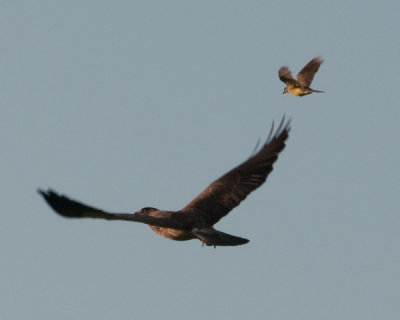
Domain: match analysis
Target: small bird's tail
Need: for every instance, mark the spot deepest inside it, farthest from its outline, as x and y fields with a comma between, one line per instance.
x=212, y=237
x=318, y=91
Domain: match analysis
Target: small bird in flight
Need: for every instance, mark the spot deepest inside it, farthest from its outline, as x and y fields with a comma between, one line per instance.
x=196, y=220
x=301, y=86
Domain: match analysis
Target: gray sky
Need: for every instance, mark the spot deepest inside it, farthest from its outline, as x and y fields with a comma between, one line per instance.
x=127, y=104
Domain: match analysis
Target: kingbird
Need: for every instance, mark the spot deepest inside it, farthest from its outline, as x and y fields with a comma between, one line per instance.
x=301, y=86
x=196, y=219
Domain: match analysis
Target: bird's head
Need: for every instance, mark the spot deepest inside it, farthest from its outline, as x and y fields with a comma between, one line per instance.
x=285, y=90
x=146, y=211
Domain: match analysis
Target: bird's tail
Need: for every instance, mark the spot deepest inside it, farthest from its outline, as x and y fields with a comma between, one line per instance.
x=212, y=237
x=318, y=91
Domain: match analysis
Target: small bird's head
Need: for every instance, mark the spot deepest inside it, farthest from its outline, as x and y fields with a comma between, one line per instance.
x=285, y=90
x=146, y=211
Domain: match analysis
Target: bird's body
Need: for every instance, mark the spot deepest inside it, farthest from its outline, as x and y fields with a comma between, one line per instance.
x=195, y=220
x=299, y=91
x=179, y=234
x=173, y=234
x=300, y=86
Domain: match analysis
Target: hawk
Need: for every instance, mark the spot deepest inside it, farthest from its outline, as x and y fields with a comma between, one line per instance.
x=196, y=219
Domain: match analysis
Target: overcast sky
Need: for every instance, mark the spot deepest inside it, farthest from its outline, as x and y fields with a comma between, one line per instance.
x=127, y=104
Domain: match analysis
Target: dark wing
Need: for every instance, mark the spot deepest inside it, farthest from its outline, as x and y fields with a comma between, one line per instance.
x=306, y=75
x=286, y=75
x=224, y=194
x=73, y=209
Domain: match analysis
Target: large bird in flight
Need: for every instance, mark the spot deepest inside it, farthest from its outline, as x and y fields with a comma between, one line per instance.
x=196, y=220
x=301, y=86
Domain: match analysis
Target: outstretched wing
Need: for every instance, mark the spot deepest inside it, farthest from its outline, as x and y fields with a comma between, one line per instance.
x=73, y=209
x=306, y=75
x=224, y=194
x=286, y=75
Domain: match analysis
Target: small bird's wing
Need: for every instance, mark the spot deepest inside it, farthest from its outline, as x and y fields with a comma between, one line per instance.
x=224, y=194
x=286, y=75
x=306, y=75
x=73, y=209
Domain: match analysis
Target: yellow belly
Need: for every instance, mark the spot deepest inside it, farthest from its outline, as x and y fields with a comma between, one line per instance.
x=297, y=91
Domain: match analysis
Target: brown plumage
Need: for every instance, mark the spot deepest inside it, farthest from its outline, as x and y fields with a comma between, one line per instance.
x=196, y=220
x=301, y=86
